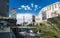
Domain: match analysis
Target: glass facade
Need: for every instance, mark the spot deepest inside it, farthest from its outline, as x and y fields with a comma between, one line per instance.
x=4, y=8
x=43, y=15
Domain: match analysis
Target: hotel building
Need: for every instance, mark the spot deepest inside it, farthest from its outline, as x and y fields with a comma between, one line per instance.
x=49, y=11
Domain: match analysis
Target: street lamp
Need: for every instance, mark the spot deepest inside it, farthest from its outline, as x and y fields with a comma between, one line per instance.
x=23, y=20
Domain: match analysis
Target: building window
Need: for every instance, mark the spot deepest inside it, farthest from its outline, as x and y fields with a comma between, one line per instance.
x=43, y=15
x=52, y=7
x=55, y=6
x=54, y=13
x=47, y=8
x=59, y=5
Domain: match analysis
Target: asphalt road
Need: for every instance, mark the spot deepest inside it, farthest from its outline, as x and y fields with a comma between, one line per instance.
x=31, y=37
x=26, y=36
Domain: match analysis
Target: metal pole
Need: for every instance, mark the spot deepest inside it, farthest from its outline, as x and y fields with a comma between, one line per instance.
x=23, y=20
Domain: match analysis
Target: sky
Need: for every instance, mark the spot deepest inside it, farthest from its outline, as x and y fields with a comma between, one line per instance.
x=28, y=8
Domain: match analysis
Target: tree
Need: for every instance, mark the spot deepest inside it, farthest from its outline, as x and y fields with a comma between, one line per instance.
x=46, y=31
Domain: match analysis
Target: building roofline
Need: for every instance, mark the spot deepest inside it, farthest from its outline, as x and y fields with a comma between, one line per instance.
x=50, y=5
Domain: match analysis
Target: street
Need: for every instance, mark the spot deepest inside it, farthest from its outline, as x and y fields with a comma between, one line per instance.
x=25, y=34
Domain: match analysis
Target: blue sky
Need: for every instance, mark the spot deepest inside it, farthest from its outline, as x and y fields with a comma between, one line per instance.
x=40, y=3
x=29, y=6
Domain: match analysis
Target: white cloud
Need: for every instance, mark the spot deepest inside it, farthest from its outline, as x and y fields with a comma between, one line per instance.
x=22, y=6
x=32, y=5
x=20, y=17
x=19, y=8
x=29, y=8
x=26, y=7
x=36, y=6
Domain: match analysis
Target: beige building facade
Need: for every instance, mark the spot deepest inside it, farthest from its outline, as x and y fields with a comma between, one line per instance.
x=49, y=11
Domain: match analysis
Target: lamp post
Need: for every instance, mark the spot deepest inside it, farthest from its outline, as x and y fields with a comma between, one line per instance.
x=23, y=20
